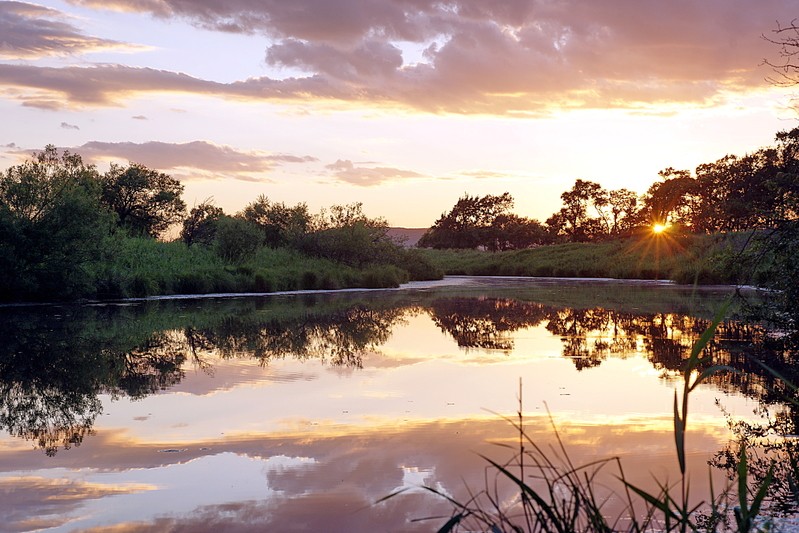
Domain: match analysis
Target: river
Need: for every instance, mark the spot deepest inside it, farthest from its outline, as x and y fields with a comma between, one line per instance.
x=301, y=412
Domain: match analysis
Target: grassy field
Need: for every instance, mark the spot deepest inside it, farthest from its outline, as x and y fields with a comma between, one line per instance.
x=704, y=259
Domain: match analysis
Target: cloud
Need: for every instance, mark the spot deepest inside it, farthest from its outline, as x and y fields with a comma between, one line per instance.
x=39, y=503
x=511, y=57
x=352, y=467
x=486, y=174
x=139, y=117
x=30, y=31
x=346, y=171
x=66, y=126
x=109, y=85
x=209, y=159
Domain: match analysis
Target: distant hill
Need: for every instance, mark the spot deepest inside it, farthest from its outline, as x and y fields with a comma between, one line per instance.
x=410, y=235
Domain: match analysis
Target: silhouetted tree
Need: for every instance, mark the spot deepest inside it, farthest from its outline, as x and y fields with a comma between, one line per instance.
x=482, y=222
x=574, y=222
x=344, y=233
x=200, y=226
x=146, y=201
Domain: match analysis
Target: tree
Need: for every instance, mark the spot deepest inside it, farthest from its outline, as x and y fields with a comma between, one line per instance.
x=200, y=226
x=282, y=225
x=573, y=222
x=619, y=213
x=512, y=232
x=146, y=201
x=52, y=227
x=463, y=226
x=786, y=67
x=673, y=200
x=344, y=233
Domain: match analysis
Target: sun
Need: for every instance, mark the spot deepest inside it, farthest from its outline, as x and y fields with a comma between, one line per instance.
x=657, y=229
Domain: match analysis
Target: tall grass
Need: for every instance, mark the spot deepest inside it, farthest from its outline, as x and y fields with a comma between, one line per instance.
x=140, y=267
x=686, y=259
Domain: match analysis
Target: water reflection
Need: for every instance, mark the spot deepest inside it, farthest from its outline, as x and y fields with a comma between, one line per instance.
x=54, y=365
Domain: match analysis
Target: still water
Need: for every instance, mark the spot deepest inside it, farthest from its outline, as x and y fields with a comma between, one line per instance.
x=299, y=412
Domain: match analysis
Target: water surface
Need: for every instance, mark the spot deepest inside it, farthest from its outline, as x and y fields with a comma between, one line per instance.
x=298, y=412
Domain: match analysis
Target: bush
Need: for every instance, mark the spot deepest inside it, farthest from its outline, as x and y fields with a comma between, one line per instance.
x=236, y=239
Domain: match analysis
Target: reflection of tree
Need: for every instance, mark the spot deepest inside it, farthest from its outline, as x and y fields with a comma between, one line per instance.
x=771, y=446
x=340, y=337
x=485, y=322
x=52, y=369
x=591, y=335
x=53, y=366
x=55, y=363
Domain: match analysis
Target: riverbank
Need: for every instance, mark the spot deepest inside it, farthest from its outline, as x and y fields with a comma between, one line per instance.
x=688, y=259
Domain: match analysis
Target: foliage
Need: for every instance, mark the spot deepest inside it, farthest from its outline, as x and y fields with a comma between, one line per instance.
x=282, y=225
x=146, y=201
x=52, y=227
x=687, y=259
x=199, y=227
x=615, y=213
x=236, y=239
x=483, y=222
x=345, y=234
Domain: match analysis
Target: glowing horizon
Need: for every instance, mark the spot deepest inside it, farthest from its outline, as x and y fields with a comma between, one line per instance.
x=372, y=103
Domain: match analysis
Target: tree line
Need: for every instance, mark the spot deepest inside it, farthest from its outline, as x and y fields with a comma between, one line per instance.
x=757, y=191
x=69, y=231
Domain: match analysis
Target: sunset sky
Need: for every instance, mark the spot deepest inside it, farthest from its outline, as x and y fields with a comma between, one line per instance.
x=403, y=105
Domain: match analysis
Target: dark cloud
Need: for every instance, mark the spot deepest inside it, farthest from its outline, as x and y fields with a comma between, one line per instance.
x=67, y=126
x=139, y=117
x=347, y=171
x=505, y=57
x=30, y=31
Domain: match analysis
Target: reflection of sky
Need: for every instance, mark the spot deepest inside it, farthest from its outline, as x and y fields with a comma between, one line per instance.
x=303, y=431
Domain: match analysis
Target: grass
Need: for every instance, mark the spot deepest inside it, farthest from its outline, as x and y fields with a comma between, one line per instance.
x=140, y=267
x=686, y=259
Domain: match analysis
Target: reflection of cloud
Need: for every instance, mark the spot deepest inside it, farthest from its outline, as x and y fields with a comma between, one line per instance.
x=31, y=503
x=31, y=31
x=347, y=468
x=476, y=57
x=345, y=170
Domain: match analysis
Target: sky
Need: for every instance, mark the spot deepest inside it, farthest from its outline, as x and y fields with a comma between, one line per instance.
x=402, y=105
